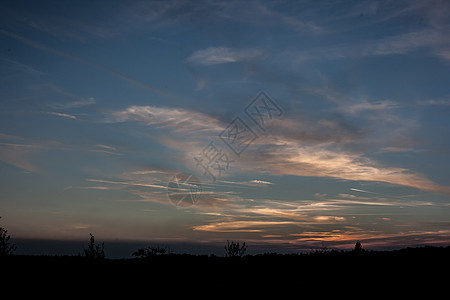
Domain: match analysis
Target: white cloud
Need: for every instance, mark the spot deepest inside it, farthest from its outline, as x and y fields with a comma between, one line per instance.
x=180, y=119
x=254, y=182
x=57, y=114
x=259, y=182
x=291, y=157
x=110, y=148
x=369, y=106
x=73, y=104
x=304, y=152
x=222, y=55
x=156, y=186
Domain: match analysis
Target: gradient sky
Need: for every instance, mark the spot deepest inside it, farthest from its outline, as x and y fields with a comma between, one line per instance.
x=103, y=102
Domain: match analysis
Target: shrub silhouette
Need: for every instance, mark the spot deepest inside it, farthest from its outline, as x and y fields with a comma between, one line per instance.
x=235, y=249
x=94, y=250
x=6, y=248
x=320, y=250
x=149, y=252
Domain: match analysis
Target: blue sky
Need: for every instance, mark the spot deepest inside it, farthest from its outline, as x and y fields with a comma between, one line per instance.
x=102, y=103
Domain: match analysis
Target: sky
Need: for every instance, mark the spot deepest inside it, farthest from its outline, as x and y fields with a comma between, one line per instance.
x=289, y=124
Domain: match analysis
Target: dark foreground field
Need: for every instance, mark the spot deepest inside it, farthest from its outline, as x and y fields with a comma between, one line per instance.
x=424, y=262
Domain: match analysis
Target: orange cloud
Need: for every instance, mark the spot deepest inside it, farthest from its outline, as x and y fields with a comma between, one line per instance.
x=289, y=158
x=240, y=226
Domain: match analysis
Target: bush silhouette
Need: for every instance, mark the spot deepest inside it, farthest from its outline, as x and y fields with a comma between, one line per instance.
x=235, y=249
x=320, y=250
x=94, y=250
x=6, y=248
x=149, y=252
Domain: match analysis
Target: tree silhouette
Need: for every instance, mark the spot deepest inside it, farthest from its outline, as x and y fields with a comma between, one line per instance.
x=94, y=250
x=358, y=247
x=235, y=249
x=6, y=248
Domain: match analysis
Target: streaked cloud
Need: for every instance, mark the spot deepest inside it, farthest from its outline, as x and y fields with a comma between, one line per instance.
x=399, y=149
x=259, y=182
x=296, y=147
x=345, y=239
x=328, y=218
x=432, y=40
x=73, y=104
x=20, y=155
x=240, y=226
x=105, y=149
x=110, y=148
x=360, y=152
x=261, y=14
x=359, y=190
x=289, y=157
x=177, y=119
x=370, y=107
x=80, y=226
x=254, y=182
x=435, y=102
x=57, y=114
x=95, y=65
x=319, y=131
x=22, y=151
x=306, y=151
x=222, y=55
x=94, y=188
x=129, y=183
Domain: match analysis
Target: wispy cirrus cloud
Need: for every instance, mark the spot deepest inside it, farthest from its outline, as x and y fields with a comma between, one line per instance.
x=344, y=239
x=435, y=102
x=129, y=183
x=120, y=19
x=177, y=119
x=222, y=55
x=432, y=39
x=329, y=220
x=151, y=186
x=312, y=149
x=251, y=183
x=20, y=155
x=57, y=114
x=241, y=226
x=73, y=104
x=20, y=151
x=366, y=106
x=320, y=161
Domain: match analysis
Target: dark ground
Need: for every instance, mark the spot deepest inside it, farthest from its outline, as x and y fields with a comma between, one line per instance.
x=387, y=267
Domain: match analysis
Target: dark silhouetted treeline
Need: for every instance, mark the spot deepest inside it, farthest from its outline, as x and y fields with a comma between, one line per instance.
x=187, y=271
x=413, y=255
